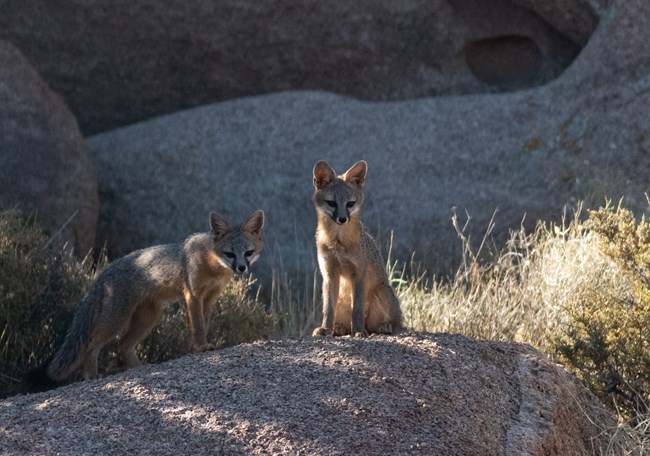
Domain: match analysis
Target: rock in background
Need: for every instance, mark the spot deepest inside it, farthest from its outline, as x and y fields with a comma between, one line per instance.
x=123, y=61
x=45, y=168
x=524, y=153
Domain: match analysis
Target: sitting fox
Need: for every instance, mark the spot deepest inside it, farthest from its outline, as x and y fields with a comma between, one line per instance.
x=357, y=296
x=127, y=297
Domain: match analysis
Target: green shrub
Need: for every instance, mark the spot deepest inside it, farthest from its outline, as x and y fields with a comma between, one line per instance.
x=606, y=339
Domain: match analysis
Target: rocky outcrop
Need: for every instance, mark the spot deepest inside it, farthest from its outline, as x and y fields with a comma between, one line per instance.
x=45, y=168
x=125, y=61
x=409, y=394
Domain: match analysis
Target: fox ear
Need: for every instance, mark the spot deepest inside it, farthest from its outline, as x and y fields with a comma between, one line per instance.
x=255, y=223
x=323, y=174
x=357, y=173
x=219, y=226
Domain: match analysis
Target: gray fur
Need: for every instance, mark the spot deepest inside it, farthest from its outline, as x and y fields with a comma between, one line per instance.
x=126, y=298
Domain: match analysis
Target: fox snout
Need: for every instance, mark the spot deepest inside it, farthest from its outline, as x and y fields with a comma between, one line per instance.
x=238, y=265
x=240, y=269
x=339, y=212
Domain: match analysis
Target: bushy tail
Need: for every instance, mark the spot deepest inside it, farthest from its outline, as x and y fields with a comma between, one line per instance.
x=70, y=355
x=37, y=379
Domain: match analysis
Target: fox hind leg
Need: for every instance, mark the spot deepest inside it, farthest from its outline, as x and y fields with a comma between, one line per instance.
x=140, y=325
x=381, y=310
x=90, y=364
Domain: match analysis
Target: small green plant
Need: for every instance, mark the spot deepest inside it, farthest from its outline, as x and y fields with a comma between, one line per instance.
x=606, y=339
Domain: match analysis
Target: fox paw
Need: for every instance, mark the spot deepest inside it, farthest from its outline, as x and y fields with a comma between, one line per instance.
x=203, y=348
x=385, y=328
x=320, y=331
x=361, y=333
x=341, y=330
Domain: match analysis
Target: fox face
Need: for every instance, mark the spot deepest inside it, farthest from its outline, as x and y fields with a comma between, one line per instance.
x=339, y=197
x=238, y=248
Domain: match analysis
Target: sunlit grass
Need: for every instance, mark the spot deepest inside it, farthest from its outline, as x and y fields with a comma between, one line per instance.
x=518, y=293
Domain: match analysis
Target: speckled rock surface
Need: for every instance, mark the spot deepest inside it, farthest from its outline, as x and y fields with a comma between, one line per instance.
x=407, y=394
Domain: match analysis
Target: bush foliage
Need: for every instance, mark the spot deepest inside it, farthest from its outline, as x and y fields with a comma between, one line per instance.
x=579, y=291
x=39, y=289
x=606, y=339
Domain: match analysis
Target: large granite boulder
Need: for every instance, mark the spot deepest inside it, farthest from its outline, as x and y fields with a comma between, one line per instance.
x=45, y=168
x=413, y=394
x=122, y=61
x=524, y=153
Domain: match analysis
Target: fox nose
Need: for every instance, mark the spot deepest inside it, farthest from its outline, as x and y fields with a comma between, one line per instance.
x=343, y=220
x=241, y=268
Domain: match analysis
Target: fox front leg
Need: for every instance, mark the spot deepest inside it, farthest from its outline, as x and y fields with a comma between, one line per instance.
x=330, y=298
x=358, y=327
x=197, y=324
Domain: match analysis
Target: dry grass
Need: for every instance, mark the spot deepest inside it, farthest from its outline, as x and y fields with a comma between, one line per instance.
x=40, y=286
x=631, y=438
x=297, y=309
x=519, y=294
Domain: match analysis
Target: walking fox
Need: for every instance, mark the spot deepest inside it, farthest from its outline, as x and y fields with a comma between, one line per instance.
x=357, y=296
x=127, y=297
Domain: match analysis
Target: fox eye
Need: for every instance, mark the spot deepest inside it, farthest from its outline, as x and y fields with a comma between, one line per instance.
x=249, y=252
x=331, y=203
x=350, y=203
x=229, y=255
